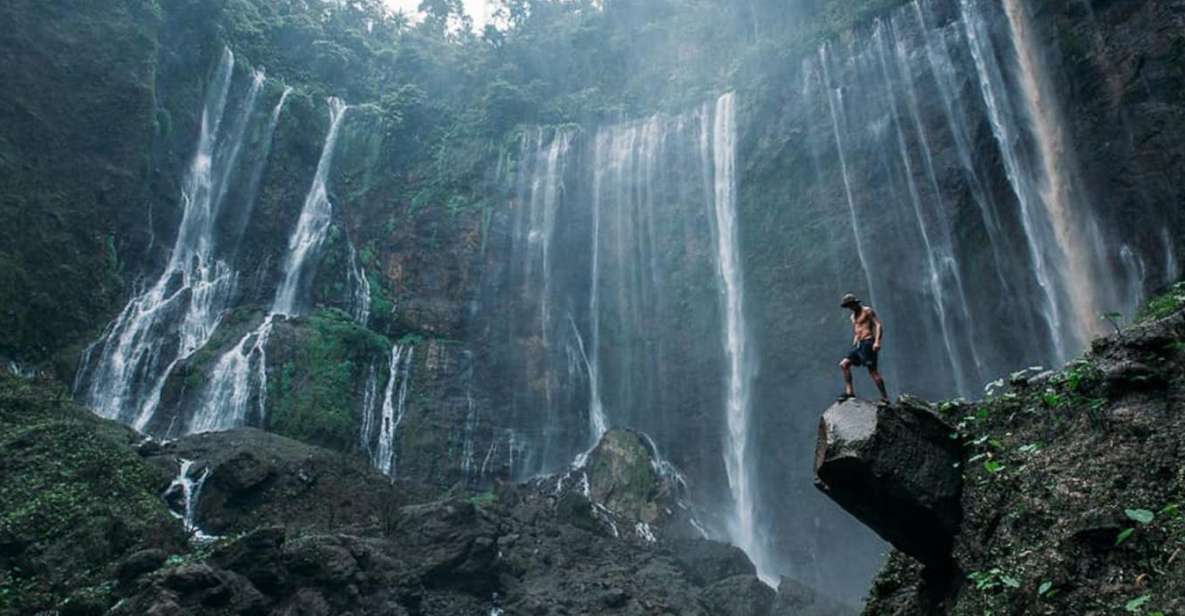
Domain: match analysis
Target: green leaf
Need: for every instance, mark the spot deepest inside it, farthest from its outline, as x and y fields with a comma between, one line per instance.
x=1134, y=605
x=1044, y=588
x=1010, y=581
x=1143, y=516
x=993, y=466
x=1124, y=536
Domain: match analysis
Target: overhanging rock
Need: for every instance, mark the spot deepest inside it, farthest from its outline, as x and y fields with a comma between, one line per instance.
x=897, y=470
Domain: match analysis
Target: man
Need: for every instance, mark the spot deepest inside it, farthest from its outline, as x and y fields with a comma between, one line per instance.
x=867, y=331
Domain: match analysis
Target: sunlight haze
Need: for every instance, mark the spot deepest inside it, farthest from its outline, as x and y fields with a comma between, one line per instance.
x=479, y=10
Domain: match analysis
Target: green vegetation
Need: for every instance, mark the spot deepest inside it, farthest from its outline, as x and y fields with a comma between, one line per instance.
x=78, y=120
x=74, y=500
x=1165, y=304
x=313, y=394
x=1076, y=466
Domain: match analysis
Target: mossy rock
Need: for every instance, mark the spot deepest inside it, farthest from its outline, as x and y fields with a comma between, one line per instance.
x=75, y=499
x=623, y=476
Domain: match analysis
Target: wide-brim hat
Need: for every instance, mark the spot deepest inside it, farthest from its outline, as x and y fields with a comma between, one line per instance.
x=848, y=300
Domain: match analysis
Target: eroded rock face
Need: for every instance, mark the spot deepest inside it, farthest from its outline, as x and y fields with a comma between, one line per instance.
x=896, y=469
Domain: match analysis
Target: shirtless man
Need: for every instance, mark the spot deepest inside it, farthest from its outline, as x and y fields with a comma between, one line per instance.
x=867, y=330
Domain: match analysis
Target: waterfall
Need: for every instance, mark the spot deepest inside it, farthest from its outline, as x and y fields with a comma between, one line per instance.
x=836, y=108
x=538, y=197
x=1075, y=230
x=1136, y=274
x=647, y=213
x=261, y=159
x=598, y=424
x=177, y=314
x=942, y=278
x=1042, y=248
x=945, y=78
x=240, y=375
x=1172, y=270
x=189, y=490
x=737, y=459
x=370, y=410
x=313, y=225
x=468, y=441
x=359, y=287
x=391, y=414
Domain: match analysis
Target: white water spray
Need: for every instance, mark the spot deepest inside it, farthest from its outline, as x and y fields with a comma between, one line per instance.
x=393, y=408
x=191, y=491
x=737, y=456
x=992, y=87
x=178, y=313
x=1075, y=231
x=241, y=373
x=836, y=107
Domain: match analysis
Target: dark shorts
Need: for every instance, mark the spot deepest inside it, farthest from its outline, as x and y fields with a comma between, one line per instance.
x=863, y=355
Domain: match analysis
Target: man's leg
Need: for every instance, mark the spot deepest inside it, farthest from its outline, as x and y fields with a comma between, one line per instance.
x=846, y=366
x=880, y=383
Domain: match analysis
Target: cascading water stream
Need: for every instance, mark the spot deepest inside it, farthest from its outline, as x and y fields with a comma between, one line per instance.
x=940, y=64
x=1171, y=267
x=1136, y=274
x=240, y=375
x=1037, y=236
x=177, y=314
x=836, y=108
x=939, y=254
x=189, y=490
x=359, y=287
x=313, y=225
x=261, y=159
x=1075, y=231
x=738, y=463
x=391, y=412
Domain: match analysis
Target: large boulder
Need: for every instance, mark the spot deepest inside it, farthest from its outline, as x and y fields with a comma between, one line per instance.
x=741, y=595
x=623, y=475
x=705, y=562
x=254, y=479
x=897, y=469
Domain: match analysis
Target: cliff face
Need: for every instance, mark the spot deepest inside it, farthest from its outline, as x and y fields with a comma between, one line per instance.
x=423, y=301
x=1072, y=491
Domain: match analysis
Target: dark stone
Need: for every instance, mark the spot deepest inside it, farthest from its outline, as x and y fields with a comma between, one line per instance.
x=897, y=470
x=256, y=556
x=139, y=563
x=148, y=447
x=615, y=598
x=243, y=472
x=191, y=578
x=706, y=562
x=575, y=509
x=797, y=599
x=306, y=602
x=741, y=595
x=81, y=604
x=1129, y=375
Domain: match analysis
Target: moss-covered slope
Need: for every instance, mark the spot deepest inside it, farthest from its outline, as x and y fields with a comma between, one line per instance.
x=1074, y=488
x=74, y=499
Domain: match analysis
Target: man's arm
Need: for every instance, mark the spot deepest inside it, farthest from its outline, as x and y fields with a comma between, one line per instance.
x=878, y=327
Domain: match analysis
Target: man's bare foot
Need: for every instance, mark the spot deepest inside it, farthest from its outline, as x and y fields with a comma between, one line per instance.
x=884, y=402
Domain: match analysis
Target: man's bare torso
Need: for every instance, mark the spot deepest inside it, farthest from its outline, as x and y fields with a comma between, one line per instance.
x=864, y=325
